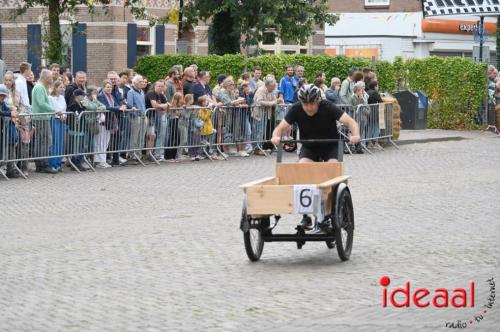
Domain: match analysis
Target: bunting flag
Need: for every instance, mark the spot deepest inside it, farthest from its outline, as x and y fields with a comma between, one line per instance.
x=460, y=7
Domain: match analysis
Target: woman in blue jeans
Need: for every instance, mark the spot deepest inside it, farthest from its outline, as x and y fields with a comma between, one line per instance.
x=57, y=125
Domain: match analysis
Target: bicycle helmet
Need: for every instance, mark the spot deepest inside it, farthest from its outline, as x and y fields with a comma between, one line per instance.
x=309, y=93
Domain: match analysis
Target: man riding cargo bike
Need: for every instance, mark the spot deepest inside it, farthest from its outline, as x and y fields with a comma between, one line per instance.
x=317, y=121
x=315, y=186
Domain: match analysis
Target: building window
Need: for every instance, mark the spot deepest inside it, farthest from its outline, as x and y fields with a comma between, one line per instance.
x=268, y=52
x=288, y=42
x=268, y=38
x=66, y=42
x=271, y=44
x=377, y=3
x=145, y=40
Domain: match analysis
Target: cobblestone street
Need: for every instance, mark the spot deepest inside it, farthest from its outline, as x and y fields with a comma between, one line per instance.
x=158, y=248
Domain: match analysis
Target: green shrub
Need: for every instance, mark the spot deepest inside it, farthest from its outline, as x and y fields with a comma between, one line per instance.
x=456, y=86
x=156, y=67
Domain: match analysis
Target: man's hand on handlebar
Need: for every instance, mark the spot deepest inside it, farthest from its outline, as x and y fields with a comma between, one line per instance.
x=354, y=139
x=276, y=140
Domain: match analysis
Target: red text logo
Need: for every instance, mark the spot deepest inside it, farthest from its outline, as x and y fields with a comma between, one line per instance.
x=406, y=296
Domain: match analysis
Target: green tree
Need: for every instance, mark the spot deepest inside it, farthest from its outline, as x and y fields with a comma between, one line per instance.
x=224, y=38
x=247, y=20
x=56, y=8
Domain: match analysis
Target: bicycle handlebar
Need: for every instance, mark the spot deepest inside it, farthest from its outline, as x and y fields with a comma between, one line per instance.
x=340, y=142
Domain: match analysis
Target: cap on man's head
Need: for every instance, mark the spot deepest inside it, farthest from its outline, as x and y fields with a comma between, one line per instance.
x=221, y=78
x=78, y=93
x=3, y=90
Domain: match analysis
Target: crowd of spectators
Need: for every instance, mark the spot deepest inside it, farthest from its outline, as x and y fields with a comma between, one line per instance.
x=128, y=118
x=493, y=85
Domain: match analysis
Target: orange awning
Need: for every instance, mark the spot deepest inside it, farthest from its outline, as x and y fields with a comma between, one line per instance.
x=455, y=26
x=365, y=52
x=331, y=51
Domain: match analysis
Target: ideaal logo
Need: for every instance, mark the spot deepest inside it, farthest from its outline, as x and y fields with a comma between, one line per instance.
x=438, y=298
x=423, y=297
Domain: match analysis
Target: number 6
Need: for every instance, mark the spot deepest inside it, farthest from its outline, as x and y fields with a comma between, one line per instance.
x=306, y=198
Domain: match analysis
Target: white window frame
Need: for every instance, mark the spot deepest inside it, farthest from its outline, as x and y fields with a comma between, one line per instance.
x=377, y=3
x=45, y=29
x=279, y=48
x=152, y=36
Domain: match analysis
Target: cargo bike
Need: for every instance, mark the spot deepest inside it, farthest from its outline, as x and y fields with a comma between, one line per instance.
x=318, y=190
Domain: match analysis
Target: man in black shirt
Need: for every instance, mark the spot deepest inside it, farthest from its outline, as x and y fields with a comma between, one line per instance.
x=189, y=81
x=316, y=119
x=155, y=99
x=76, y=131
x=80, y=83
x=372, y=91
x=201, y=88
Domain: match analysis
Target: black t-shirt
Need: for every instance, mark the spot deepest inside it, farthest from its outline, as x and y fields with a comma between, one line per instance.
x=159, y=98
x=374, y=97
x=201, y=90
x=322, y=125
x=188, y=87
x=152, y=95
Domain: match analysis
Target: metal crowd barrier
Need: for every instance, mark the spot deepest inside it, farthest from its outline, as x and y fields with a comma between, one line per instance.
x=375, y=121
x=178, y=131
x=246, y=128
x=92, y=137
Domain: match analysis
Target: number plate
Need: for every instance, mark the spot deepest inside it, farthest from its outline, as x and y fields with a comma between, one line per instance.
x=307, y=199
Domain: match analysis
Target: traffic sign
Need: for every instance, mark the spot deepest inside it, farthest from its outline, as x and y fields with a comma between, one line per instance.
x=479, y=33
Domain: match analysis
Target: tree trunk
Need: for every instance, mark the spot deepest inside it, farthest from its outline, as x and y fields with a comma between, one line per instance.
x=54, y=38
x=225, y=38
x=244, y=51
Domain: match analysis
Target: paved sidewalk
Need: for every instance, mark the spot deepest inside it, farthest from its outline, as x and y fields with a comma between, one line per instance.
x=438, y=135
x=158, y=248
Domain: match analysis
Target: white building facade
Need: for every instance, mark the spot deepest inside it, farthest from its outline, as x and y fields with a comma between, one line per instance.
x=385, y=35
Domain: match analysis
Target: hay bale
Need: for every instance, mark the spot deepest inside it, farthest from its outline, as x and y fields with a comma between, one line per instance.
x=497, y=111
x=396, y=115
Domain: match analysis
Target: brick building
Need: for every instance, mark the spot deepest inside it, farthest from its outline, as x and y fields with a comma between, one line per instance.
x=374, y=6
x=274, y=45
x=114, y=41
x=100, y=43
x=387, y=28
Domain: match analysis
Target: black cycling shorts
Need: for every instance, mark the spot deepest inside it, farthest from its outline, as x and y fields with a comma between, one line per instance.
x=319, y=153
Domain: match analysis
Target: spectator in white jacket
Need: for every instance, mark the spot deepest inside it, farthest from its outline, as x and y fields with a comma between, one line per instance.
x=22, y=86
x=57, y=124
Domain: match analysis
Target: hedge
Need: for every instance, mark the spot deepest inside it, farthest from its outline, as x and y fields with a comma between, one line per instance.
x=456, y=86
x=156, y=67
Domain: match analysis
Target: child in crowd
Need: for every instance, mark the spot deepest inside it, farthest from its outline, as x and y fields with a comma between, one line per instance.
x=207, y=132
x=150, y=135
x=196, y=124
x=184, y=124
x=98, y=136
x=361, y=112
x=173, y=141
x=246, y=126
